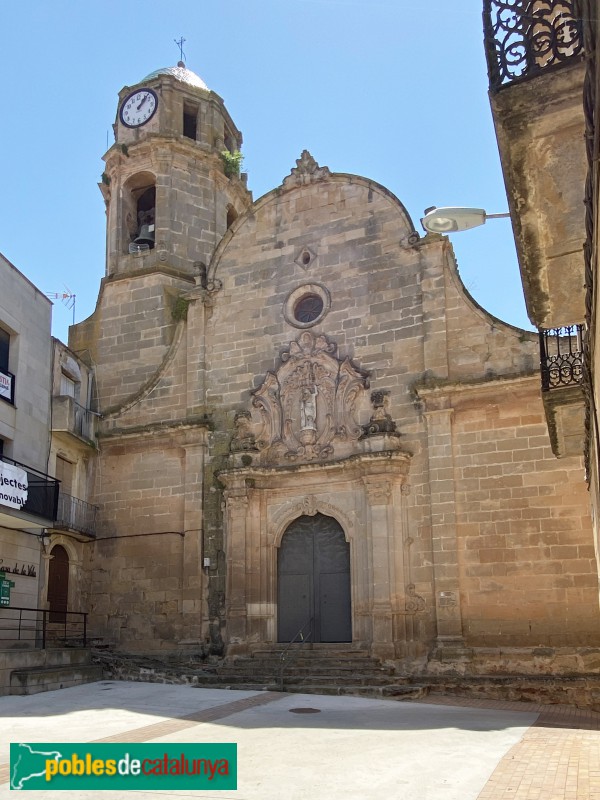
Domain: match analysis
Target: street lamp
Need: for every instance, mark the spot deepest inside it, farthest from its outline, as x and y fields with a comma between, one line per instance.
x=450, y=219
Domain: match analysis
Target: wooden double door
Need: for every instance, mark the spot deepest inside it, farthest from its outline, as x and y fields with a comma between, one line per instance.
x=313, y=583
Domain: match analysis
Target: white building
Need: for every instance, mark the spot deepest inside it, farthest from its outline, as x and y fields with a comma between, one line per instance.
x=25, y=413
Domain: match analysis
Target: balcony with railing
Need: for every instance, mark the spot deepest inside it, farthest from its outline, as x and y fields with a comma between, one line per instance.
x=526, y=37
x=70, y=417
x=562, y=370
x=536, y=70
x=561, y=357
x=75, y=515
x=41, y=503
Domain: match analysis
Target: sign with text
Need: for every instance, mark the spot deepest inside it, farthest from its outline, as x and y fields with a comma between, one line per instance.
x=6, y=386
x=13, y=485
x=92, y=766
x=5, y=587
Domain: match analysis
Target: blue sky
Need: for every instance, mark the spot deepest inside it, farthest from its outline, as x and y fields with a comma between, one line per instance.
x=392, y=90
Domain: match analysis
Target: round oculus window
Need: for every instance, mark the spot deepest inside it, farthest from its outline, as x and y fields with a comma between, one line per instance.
x=308, y=308
x=306, y=305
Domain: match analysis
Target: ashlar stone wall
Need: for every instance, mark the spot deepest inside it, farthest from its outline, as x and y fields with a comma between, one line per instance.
x=464, y=530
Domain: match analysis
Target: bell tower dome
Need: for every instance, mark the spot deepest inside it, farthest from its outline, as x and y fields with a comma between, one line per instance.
x=169, y=188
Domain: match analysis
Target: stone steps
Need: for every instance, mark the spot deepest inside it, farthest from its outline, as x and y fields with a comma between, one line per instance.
x=325, y=674
x=311, y=669
x=390, y=691
x=306, y=680
x=304, y=668
x=316, y=670
x=582, y=690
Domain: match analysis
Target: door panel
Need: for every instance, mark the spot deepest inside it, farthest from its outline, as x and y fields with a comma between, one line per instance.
x=314, y=581
x=334, y=607
x=295, y=596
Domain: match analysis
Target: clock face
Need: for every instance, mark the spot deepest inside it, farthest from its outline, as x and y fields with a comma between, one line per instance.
x=138, y=108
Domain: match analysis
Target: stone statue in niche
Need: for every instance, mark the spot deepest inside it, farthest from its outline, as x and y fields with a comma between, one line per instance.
x=308, y=408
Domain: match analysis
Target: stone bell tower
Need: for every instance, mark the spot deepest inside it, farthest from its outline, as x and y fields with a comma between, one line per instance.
x=170, y=188
x=171, y=191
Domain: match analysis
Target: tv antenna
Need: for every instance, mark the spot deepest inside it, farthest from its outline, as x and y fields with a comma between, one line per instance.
x=66, y=297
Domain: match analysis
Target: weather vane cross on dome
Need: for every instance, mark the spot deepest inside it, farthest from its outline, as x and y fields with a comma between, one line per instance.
x=180, y=46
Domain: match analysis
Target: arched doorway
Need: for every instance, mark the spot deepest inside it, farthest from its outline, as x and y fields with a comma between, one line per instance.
x=58, y=583
x=313, y=581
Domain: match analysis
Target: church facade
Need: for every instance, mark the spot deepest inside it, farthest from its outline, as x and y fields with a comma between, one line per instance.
x=309, y=429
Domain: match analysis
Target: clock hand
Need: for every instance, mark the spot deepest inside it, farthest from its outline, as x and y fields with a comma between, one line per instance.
x=143, y=101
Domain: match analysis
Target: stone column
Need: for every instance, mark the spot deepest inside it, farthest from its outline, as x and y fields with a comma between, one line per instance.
x=236, y=508
x=446, y=576
x=379, y=493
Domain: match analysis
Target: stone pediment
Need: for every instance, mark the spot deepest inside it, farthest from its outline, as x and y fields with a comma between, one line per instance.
x=308, y=407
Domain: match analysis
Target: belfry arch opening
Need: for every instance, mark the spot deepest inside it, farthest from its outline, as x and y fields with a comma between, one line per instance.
x=313, y=582
x=139, y=213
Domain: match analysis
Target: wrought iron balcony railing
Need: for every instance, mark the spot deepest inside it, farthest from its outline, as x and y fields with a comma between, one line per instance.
x=525, y=37
x=561, y=356
x=42, y=492
x=75, y=515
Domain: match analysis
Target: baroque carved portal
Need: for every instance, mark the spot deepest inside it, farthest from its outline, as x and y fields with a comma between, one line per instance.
x=310, y=403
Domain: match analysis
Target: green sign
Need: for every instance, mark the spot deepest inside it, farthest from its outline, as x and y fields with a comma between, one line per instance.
x=5, y=587
x=91, y=766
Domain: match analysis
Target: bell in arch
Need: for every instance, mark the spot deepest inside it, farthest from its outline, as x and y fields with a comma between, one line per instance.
x=145, y=237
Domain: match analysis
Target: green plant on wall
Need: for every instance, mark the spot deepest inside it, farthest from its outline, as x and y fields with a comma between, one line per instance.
x=232, y=163
x=180, y=309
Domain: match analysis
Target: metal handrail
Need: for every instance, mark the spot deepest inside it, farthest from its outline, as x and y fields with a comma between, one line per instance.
x=43, y=626
x=284, y=652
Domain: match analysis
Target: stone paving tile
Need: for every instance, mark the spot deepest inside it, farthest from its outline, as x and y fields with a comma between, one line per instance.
x=558, y=758
x=548, y=764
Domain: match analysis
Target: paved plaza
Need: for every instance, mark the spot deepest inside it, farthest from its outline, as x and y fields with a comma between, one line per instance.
x=297, y=746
